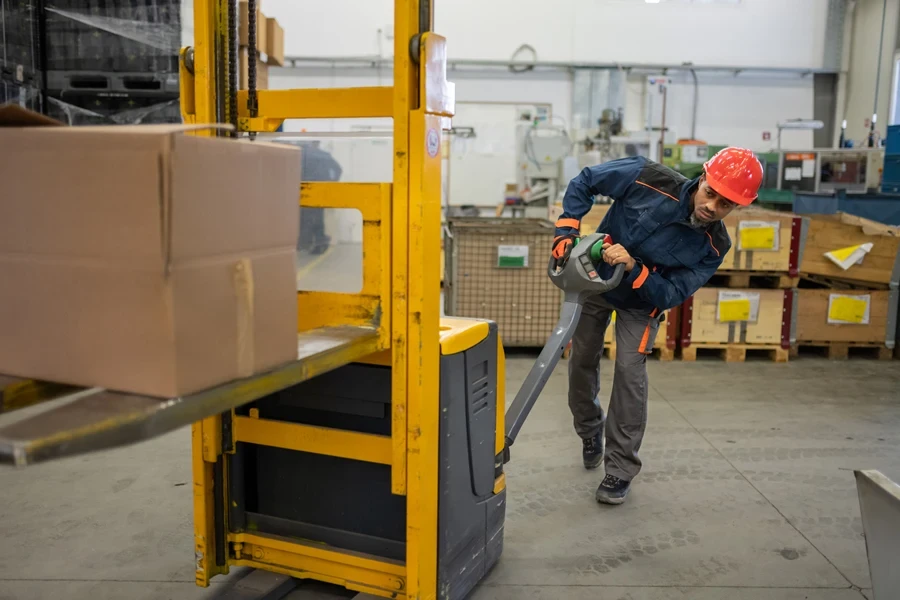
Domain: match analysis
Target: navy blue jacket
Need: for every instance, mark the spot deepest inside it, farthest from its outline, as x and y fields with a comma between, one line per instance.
x=650, y=218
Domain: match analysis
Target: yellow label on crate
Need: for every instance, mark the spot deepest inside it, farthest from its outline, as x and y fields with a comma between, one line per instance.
x=757, y=238
x=847, y=309
x=734, y=310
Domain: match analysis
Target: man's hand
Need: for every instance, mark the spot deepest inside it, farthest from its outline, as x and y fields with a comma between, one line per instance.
x=615, y=254
x=562, y=247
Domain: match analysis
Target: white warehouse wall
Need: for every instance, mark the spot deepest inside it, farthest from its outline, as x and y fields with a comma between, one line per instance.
x=770, y=33
x=730, y=110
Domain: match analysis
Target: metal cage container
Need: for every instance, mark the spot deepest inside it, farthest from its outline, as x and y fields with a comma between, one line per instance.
x=496, y=269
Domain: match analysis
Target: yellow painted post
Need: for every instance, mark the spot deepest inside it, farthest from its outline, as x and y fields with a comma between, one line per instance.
x=205, y=435
x=424, y=349
x=204, y=535
x=423, y=345
x=205, y=19
x=405, y=91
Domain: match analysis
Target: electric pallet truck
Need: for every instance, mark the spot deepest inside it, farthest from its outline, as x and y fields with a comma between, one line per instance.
x=352, y=506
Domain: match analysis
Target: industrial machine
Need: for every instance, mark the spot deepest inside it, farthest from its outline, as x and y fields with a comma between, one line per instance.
x=854, y=170
x=542, y=149
x=687, y=158
x=850, y=169
x=375, y=460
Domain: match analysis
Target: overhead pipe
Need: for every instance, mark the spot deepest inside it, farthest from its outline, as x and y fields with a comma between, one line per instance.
x=376, y=61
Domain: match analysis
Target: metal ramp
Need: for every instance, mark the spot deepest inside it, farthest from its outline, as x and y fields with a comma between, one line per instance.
x=879, y=504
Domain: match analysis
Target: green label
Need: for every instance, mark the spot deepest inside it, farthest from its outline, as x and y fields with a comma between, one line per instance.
x=512, y=257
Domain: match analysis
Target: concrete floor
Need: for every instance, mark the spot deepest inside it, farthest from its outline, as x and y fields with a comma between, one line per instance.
x=747, y=494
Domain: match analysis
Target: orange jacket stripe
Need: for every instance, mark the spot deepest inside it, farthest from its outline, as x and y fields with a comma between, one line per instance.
x=575, y=223
x=657, y=190
x=643, y=347
x=645, y=272
x=713, y=245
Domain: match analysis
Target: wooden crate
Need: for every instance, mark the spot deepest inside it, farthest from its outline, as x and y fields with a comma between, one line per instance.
x=522, y=301
x=589, y=223
x=833, y=232
x=813, y=328
x=784, y=259
x=772, y=330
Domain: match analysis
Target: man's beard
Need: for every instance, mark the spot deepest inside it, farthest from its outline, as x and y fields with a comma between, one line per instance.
x=696, y=223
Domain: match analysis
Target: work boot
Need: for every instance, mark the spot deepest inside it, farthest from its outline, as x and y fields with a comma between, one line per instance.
x=612, y=490
x=592, y=453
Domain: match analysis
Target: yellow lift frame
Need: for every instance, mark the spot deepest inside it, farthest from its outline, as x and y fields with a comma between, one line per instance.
x=394, y=319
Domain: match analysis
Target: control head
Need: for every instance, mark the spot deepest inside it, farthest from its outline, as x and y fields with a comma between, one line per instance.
x=579, y=277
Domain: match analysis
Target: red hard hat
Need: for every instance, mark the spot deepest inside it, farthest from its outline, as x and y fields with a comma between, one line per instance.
x=736, y=174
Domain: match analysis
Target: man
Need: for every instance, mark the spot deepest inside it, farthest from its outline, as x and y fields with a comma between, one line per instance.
x=668, y=233
x=317, y=165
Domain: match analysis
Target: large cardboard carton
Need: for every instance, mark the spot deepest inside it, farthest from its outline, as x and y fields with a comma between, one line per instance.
x=274, y=43
x=262, y=71
x=244, y=26
x=141, y=259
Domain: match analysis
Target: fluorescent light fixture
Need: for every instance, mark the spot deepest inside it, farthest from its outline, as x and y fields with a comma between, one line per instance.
x=801, y=124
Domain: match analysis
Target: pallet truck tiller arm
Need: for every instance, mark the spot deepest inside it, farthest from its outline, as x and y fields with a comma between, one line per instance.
x=578, y=279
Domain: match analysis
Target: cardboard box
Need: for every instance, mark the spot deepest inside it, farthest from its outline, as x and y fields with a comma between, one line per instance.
x=274, y=43
x=244, y=28
x=141, y=259
x=262, y=71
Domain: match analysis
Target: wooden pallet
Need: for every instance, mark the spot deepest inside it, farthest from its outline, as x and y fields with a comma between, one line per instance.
x=753, y=279
x=735, y=352
x=844, y=350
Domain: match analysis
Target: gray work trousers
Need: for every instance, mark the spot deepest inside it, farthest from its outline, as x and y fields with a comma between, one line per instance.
x=626, y=418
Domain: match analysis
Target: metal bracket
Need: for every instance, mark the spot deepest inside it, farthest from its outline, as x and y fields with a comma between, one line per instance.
x=259, y=124
x=687, y=320
x=788, y=310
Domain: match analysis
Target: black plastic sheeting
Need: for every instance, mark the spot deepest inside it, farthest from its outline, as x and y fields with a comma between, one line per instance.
x=45, y=46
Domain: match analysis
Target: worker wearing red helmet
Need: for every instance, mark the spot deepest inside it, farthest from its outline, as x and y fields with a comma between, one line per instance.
x=667, y=230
